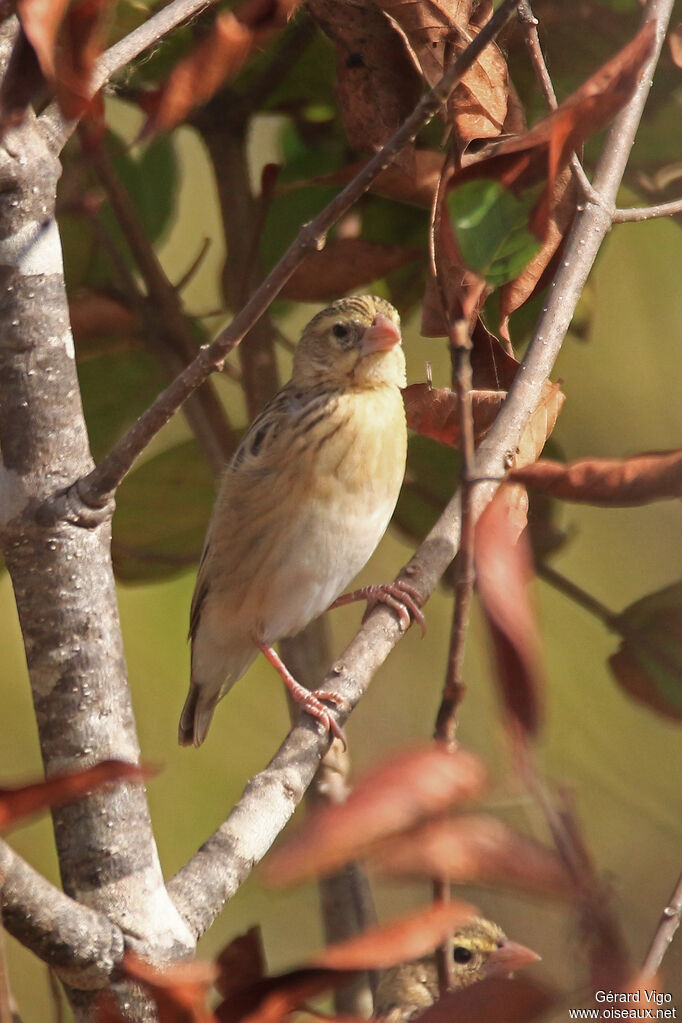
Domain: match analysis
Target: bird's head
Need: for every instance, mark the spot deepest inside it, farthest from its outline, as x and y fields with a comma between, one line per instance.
x=481, y=949
x=354, y=342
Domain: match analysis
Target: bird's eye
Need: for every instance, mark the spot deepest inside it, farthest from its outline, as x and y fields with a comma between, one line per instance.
x=461, y=954
x=340, y=330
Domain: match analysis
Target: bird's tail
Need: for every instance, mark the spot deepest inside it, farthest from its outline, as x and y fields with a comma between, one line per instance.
x=197, y=715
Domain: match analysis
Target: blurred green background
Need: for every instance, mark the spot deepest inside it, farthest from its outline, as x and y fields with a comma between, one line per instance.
x=622, y=762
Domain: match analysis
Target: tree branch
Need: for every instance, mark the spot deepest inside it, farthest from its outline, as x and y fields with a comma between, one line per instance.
x=96, y=488
x=664, y=209
x=665, y=932
x=82, y=945
x=216, y=871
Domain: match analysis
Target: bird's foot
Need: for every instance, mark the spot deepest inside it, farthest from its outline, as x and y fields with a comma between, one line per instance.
x=399, y=595
x=311, y=702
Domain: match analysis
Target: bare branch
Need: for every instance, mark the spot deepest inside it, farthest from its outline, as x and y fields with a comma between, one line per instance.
x=664, y=209
x=95, y=489
x=665, y=932
x=216, y=871
x=82, y=945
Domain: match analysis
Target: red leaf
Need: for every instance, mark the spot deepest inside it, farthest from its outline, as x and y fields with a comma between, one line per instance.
x=81, y=42
x=432, y=411
x=474, y=849
x=272, y=999
x=241, y=963
x=503, y=571
x=40, y=20
x=17, y=803
x=612, y=482
x=392, y=797
x=408, y=937
x=504, y=1001
x=179, y=991
x=520, y=162
x=217, y=59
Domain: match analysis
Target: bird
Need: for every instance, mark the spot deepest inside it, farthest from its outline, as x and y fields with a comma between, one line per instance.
x=302, y=505
x=480, y=949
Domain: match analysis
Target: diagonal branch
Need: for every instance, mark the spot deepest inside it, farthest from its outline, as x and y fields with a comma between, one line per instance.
x=665, y=932
x=82, y=945
x=215, y=872
x=95, y=489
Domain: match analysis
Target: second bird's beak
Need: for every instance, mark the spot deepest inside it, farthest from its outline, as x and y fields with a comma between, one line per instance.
x=509, y=956
x=382, y=335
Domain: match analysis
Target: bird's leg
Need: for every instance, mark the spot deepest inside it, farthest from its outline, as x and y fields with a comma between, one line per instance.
x=309, y=701
x=403, y=598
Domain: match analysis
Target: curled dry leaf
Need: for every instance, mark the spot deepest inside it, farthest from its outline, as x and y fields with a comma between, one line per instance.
x=432, y=411
x=474, y=849
x=503, y=571
x=40, y=20
x=394, y=796
x=562, y=207
x=540, y=425
x=81, y=41
x=517, y=1000
x=95, y=312
x=273, y=999
x=241, y=962
x=540, y=154
x=216, y=59
x=377, y=86
x=342, y=265
x=179, y=990
x=17, y=803
x=611, y=482
x=408, y=937
x=417, y=185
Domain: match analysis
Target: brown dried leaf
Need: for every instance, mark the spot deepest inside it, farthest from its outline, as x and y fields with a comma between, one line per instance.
x=432, y=411
x=216, y=59
x=562, y=209
x=610, y=482
x=543, y=152
x=17, y=803
x=503, y=571
x=408, y=937
x=343, y=265
x=394, y=796
x=675, y=44
x=179, y=991
x=416, y=185
x=516, y=1000
x=241, y=962
x=474, y=849
x=377, y=86
x=40, y=20
x=81, y=41
x=540, y=425
x=95, y=312
x=273, y=999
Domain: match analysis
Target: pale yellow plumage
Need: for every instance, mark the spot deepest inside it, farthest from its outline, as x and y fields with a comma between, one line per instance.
x=480, y=949
x=304, y=501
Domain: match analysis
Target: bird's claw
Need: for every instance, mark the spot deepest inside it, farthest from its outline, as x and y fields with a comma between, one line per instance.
x=312, y=705
x=402, y=597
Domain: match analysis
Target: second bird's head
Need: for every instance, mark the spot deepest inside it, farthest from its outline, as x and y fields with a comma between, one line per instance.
x=355, y=342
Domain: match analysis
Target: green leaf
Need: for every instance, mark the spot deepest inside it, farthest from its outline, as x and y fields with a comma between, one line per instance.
x=648, y=664
x=491, y=228
x=162, y=510
x=115, y=389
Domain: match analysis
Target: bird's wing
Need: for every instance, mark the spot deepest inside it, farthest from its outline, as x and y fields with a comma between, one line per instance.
x=270, y=460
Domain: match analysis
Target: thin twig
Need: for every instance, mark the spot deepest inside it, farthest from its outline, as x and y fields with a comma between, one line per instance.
x=577, y=594
x=95, y=489
x=539, y=65
x=665, y=932
x=217, y=870
x=638, y=213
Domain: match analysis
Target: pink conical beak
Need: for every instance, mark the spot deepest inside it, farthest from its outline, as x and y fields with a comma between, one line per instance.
x=508, y=957
x=382, y=335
